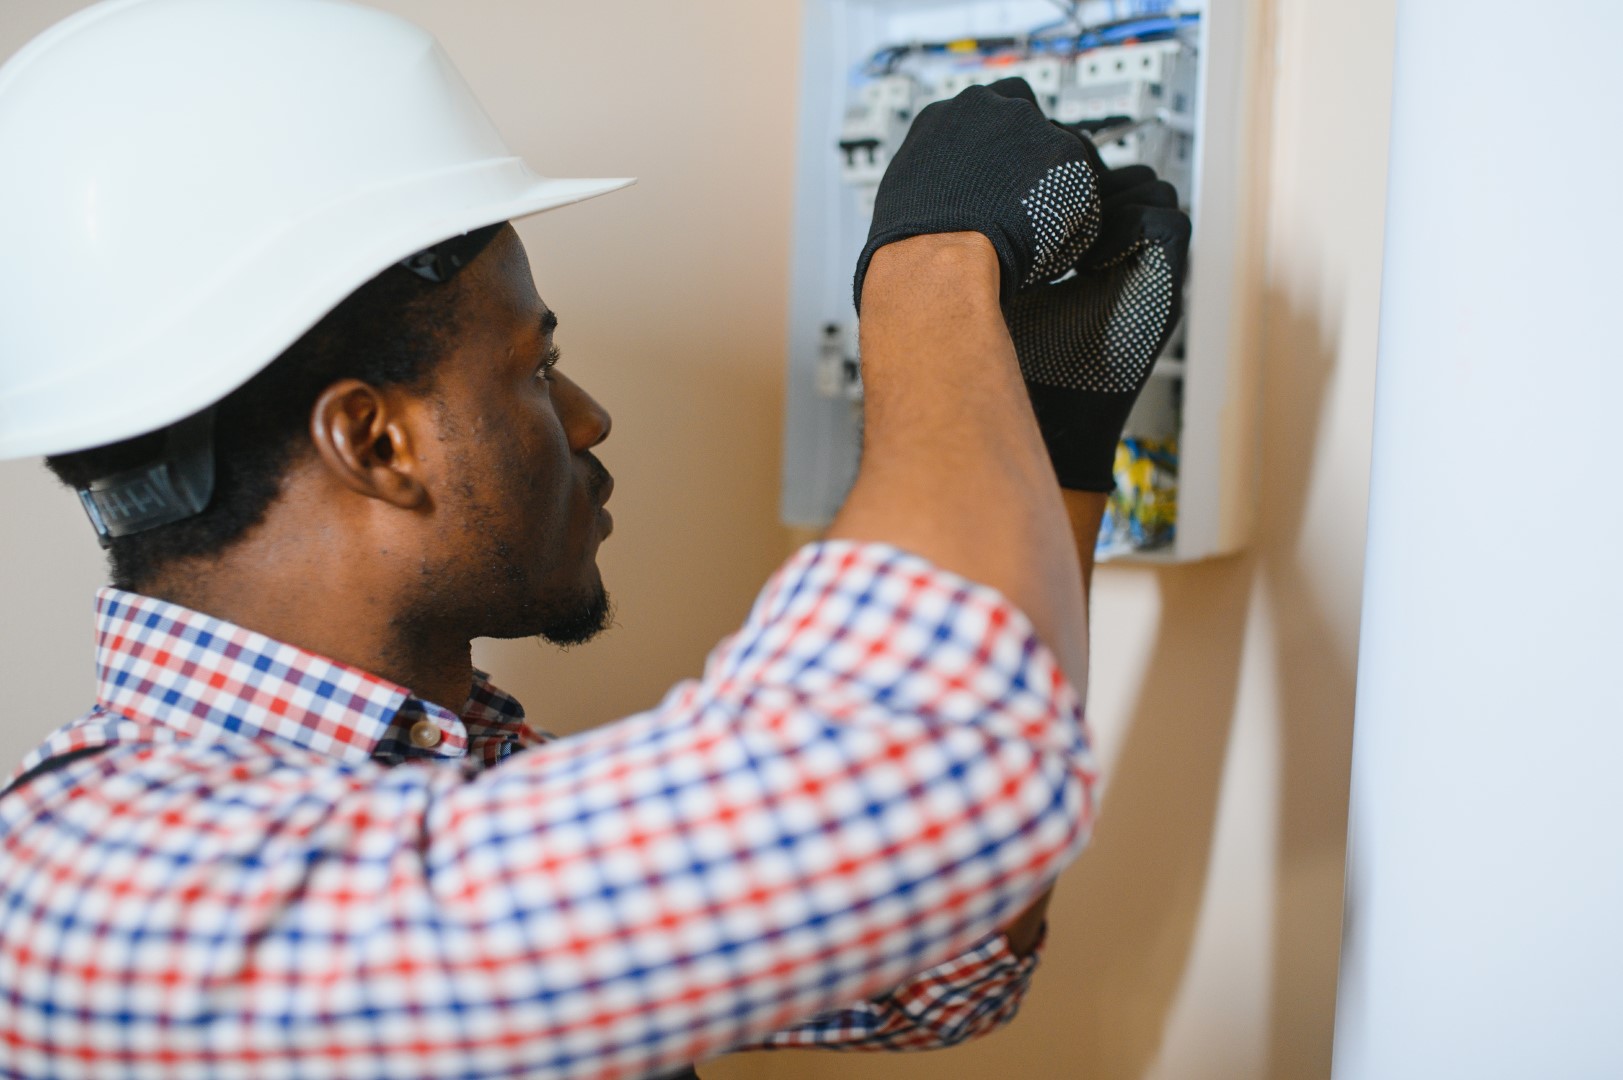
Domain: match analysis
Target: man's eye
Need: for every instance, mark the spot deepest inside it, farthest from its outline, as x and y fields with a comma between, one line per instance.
x=553, y=356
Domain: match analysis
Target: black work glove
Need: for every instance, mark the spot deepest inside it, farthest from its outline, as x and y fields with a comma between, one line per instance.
x=987, y=161
x=1086, y=345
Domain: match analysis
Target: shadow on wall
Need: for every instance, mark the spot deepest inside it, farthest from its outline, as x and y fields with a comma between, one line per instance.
x=1124, y=944
x=1317, y=681
x=1133, y=901
x=1142, y=886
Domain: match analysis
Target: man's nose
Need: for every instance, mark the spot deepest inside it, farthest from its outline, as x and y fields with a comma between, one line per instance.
x=586, y=423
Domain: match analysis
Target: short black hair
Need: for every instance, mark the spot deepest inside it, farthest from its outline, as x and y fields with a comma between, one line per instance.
x=392, y=331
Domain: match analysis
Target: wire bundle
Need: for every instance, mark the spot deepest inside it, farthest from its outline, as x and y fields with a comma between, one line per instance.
x=1155, y=20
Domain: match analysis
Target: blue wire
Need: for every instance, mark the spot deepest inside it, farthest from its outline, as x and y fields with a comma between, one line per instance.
x=1046, y=27
x=1158, y=24
x=1152, y=25
x=1143, y=28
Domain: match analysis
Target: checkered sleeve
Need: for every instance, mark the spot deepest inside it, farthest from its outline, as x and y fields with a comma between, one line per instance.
x=971, y=995
x=879, y=769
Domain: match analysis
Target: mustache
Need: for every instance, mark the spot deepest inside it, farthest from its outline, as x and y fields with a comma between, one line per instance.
x=598, y=479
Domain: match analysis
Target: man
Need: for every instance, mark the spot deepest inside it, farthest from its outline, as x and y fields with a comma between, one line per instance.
x=321, y=424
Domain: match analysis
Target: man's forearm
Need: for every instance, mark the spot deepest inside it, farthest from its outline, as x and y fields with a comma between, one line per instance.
x=1086, y=510
x=954, y=468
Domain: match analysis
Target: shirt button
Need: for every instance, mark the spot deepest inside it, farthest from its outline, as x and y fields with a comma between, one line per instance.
x=425, y=734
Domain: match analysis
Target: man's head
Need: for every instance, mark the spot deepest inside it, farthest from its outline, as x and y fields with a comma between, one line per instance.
x=488, y=473
x=418, y=434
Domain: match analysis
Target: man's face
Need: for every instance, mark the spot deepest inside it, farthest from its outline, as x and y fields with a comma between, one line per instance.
x=518, y=496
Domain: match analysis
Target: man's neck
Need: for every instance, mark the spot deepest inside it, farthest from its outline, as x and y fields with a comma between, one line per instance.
x=324, y=607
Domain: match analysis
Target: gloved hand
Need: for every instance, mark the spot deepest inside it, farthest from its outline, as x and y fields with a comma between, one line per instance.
x=987, y=161
x=1086, y=345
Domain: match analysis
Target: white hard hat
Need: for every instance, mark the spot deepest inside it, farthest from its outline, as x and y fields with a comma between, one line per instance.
x=187, y=186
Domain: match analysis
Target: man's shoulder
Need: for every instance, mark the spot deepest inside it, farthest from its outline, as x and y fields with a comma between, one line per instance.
x=124, y=745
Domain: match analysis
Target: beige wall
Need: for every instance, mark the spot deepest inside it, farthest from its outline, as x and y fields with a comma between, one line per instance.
x=1197, y=938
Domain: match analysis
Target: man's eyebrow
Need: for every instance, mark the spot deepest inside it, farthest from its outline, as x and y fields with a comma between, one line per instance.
x=549, y=322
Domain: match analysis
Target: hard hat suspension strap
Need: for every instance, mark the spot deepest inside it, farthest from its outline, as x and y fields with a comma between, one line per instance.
x=176, y=487
x=440, y=263
x=180, y=484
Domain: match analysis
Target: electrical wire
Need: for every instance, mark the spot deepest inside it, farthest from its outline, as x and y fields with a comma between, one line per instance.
x=1154, y=28
x=1041, y=39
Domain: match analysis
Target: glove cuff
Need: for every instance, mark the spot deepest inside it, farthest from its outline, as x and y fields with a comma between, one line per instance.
x=1081, y=429
x=1007, y=285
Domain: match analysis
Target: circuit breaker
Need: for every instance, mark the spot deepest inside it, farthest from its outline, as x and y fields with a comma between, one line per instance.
x=1146, y=91
x=1156, y=83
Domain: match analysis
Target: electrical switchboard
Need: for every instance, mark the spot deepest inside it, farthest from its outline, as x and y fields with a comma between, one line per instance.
x=1152, y=82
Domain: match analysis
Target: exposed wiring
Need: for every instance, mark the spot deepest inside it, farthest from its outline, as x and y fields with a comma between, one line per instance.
x=1153, y=28
x=1076, y=38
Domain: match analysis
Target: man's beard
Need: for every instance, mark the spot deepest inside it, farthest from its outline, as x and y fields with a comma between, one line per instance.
x=501, y=601
x=498, y=595
x=562, y=618
x=574, y=620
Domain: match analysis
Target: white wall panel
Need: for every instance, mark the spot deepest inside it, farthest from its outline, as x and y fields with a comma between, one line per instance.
x=1484, y=931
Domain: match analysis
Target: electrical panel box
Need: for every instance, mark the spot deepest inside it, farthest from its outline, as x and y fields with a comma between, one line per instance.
x=1156, y=82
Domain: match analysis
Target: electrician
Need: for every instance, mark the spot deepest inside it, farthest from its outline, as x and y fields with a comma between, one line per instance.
x=263, y=311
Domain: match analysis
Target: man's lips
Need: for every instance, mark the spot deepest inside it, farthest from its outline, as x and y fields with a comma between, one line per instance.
x=601, y=488
x=605, y=490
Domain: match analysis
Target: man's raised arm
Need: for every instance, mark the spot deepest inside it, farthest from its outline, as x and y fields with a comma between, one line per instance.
x=953, y=467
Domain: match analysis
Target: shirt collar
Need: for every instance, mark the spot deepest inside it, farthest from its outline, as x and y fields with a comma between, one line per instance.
x=160, y=663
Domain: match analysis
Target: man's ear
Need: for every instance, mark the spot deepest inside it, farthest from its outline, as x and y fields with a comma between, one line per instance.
x=365, y=439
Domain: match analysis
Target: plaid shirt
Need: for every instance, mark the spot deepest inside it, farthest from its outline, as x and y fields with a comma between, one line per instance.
x=267, y=864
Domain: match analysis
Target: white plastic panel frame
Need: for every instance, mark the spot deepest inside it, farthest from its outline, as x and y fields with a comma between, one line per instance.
x=1211, y=395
